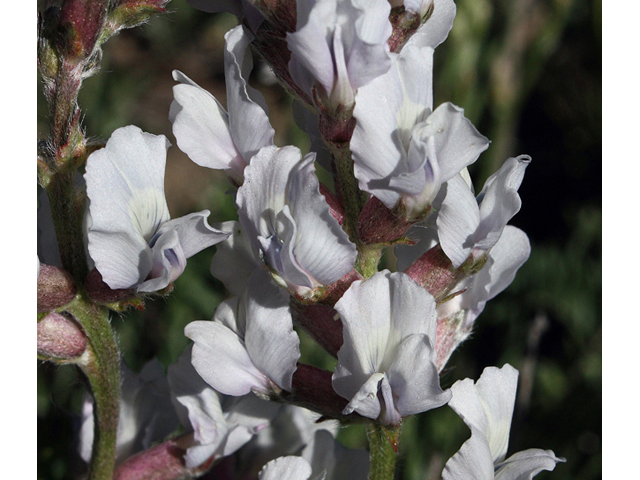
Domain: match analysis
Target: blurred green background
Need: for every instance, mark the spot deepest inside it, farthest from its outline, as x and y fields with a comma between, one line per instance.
x=528, y=74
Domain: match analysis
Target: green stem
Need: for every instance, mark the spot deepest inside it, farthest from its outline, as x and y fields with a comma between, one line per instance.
x=67, y=214
x=347, y=189
x=383, y=449
x=102, y=368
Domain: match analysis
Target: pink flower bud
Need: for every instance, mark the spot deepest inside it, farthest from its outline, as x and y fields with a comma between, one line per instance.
x=60, y=337
x=55, y=288
x=162, y=462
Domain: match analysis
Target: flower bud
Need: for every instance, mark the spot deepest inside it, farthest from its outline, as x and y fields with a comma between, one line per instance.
x=60, y=337
x=81, y=22
x=130, y=13
x=55, y=288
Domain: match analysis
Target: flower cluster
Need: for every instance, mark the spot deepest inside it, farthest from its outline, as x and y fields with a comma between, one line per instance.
x=305, y=255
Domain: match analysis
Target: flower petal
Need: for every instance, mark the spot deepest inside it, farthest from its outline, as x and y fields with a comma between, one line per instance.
x=499, y=201
x=414, y=378
x=272, y=343
x=221, y=359
x=234, y=260
x=437, y=27
x=194, y=233
x=321, y=248
x=487, y=406
x=286, y=468
x=201, y=127
x=248, y=113
x=311, y=56
x=526, y=464
x=471, y=462
x=458, y=219
x=366, y=401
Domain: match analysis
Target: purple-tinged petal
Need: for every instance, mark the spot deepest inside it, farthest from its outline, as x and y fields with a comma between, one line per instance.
x=169, y=262
x=194, y=233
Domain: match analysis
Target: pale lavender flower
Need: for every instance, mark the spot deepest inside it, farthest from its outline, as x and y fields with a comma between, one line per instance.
x=339, y=46
x=487, y=407
x=403, y=150
x=472, y=226
x=288, y=222
x=221, y=424
x=386, y=365
x=250, y=344
x=205, y=131
x=131, y=237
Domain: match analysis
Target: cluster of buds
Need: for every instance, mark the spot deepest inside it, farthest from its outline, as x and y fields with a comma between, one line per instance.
x=303, y=254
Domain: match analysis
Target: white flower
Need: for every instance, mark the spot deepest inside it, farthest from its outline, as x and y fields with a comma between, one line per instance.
x=402, y=148
x=339, y=45
x=250, y=344
x=132, y=239
x=205, y=131
x=288, y=222
x=487, y=407
x=386, y=365
x=469, y=225
x=220, y=424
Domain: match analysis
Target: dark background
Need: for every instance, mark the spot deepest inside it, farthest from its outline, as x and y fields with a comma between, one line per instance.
x=528, y=74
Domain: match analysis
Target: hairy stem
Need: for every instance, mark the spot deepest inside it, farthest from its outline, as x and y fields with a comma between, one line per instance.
x=102, y=368
x=383, y=449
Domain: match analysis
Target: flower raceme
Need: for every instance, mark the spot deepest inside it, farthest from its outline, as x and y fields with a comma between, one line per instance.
x=131, y=238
